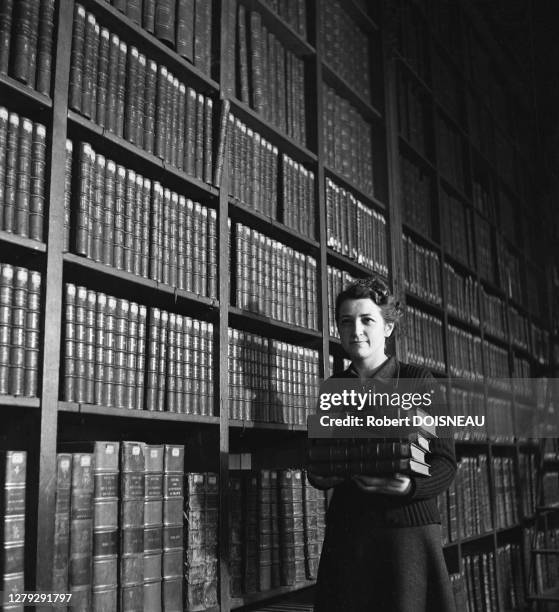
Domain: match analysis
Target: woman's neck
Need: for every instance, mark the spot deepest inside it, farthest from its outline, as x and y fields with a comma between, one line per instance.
x=369, y=368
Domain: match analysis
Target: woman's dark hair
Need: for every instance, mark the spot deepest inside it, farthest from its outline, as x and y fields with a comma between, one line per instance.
x=375, y=288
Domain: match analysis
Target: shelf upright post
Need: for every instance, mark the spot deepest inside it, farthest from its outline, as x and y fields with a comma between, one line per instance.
x=320, y=193
x=52, y=296
x=395, y=199
x=226, y=80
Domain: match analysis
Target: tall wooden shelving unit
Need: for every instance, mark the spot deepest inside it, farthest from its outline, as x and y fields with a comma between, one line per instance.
x=40, y=424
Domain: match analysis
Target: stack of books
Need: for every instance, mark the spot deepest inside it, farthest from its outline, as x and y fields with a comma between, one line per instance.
x=350, y=457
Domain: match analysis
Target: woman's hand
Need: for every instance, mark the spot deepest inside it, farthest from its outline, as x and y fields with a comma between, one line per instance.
x=324, y=482
x=388, y=485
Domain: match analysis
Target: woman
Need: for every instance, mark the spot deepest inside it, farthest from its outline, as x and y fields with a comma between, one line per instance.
x=382, y=549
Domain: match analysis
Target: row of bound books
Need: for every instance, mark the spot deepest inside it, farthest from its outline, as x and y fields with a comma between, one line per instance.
x=446, y=503
x=20, y=311
x=521, y=333
x=272, y=279
x=412, y=32
x=484, y=200
x=540, y=343
x=464, y=354
x=22, y=175
x=337, y=281
x=269, y=380
x=473, y=496
x=424, y=339
x=496, y=364
x=346, y=47
x=413, y=113
x=120, y=218
x=494, y=311
x=481, y=582
x=551, y=489
x=485, y=252
x=355, y=230
x=417, y=195
x=506, y=494
x=456, y=229
x=116, y=353
x=255, y=170
x=119, y=532
x=183, y=25
x=26, y=40
x=277, y=529
x=450, y=153
x=547, y=566
x=130, y=95
x=13, y=478
x=510, y=577
x=522, y=371
x=500, y=424
x=268, y=77
x=348, y=140
x=468, y=403
x=348, y=457
x=527, y=470
x=461, y=295
x=293, y=12
x=422, y=271
x=509, y=270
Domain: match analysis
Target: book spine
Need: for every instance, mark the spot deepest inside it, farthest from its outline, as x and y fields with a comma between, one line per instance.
x=105, y=526
x=153, y=527
x=13, y=469
x=44, y=47
x=164, y=23
x=61, y=545
x=81, y=531
x=132, y=486
x=173, y=548
x=185, y=29
x=6, y=20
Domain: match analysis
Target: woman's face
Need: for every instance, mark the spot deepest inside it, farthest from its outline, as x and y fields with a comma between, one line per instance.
x=363, y=331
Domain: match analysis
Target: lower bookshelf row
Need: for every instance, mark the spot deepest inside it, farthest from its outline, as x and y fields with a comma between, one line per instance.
x=134, y=526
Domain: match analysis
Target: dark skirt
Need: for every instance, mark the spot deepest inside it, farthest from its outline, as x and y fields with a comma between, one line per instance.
x=383, y=569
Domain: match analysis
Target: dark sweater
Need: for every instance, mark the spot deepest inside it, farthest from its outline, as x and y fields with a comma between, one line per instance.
x=419, y=506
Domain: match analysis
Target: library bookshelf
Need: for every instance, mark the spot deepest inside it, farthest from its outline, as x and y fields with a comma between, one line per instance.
x=197, y=185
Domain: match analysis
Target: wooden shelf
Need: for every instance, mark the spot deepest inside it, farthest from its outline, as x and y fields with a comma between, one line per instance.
x=424, y=304
x=362, y=19
x=346, y=183
x=255, y=322
x=409, y=150
x=31, y=246
x=420, y=238
x=333, y=79
x=458, y=264
x=338, y=259
x=449, y=186
x=90, y=409
x=158, y=51
x=21, y=98
x=285, y=143
x=469, y=326
x=411, y=71
x=123, y=150
x=495, y=339
x=12, y=401
x=252, y=598
x=275, y=24
x=275, y=229
x=241, y=424
x=133, y=280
